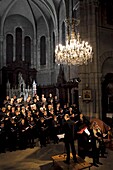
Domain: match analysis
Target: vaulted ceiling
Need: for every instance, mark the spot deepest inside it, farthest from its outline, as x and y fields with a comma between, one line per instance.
x=31, y=9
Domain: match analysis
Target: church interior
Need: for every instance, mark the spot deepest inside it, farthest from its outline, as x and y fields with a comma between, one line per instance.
x=38, y=57
x=29, y=33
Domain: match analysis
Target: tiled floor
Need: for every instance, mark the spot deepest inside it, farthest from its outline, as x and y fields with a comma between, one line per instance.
x=40, y=158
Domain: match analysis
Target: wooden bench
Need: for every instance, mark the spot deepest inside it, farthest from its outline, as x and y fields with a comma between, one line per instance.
x=81, y=164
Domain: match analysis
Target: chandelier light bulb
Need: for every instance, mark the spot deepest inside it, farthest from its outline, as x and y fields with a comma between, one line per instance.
x=75, y=52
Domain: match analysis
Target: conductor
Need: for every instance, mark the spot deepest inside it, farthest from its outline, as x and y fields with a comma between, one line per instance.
x=68, y=128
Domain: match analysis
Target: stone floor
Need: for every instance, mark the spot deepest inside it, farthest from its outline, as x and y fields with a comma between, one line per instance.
x=40, y=158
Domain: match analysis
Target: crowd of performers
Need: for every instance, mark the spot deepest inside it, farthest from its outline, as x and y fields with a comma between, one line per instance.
x=21, y=122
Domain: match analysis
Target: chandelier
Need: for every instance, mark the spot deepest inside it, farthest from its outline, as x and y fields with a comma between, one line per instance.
x=75, y=51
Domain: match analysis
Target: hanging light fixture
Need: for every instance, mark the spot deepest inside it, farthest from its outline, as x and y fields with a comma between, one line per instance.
x=75, y=51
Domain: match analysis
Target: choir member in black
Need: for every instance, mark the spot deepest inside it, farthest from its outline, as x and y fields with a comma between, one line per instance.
x=7, y=126
x=44, y=103
x=2, y=114
x=83, y=138
x=36, y=105
x=36, y=120
x=57, y=109
x=49, y=122
x=13, y=135
x=95, y=140
x=36, y=117
x=42, y=132
x=65, y=108
x=68, y=128
x=41, y=112
x=38, y=102
x=8, y=107
x=55, y=129
x=23, y=131
x=15, y=99
x=60, y=119
x=12, y=102
x=71, y=113
x=75, y=108
x=24, y=114
x=101, y=142
x=2, y=137
x=31, y=132
x=22, y=100
x=42, y=100
x=18, y=107
x=28, y=116
x=83, y=122
x=12, y=112
x=50, y=99
x=6, y=101
x=33, y=109
x=28, y=101
x=49, y=107
x=17, y=118
x=55, y=102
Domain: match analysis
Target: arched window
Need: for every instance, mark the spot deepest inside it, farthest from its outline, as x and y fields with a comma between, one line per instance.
x=27, y=49
x=9, y=48
x=18, y=44
x=53, y=47
x=63, y=33
x=43, y=50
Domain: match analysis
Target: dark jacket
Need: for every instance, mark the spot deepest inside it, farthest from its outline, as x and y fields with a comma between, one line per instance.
x=68, y=129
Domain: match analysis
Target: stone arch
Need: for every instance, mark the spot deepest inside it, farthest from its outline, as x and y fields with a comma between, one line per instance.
x=107, y=66
x=106, y=70
x=104, y=56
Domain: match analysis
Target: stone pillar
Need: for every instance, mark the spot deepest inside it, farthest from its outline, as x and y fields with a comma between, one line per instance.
x=38, y=54
x=1, y=57
x=88, y=74
x=23, y=56
x=14, y=47
x=48, y=52
x=34, y=54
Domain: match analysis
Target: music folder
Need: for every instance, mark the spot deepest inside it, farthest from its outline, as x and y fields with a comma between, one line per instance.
x=60, y=136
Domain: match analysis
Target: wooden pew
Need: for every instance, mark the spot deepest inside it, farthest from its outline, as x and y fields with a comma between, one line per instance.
x=81, y=164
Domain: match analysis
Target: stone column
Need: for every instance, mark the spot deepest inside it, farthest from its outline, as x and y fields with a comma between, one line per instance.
x=88, y=74
x=33, y=53
x=1, y=57
x=38, y=53
x=23, y=56
x=14, y=47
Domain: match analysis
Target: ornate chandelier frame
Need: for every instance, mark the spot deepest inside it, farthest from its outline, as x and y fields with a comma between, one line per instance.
x=76, y=51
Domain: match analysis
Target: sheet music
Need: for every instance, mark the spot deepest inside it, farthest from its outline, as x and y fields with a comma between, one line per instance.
x=82, y=130
x=60, y=136
x=87, y=131
x=104, y=135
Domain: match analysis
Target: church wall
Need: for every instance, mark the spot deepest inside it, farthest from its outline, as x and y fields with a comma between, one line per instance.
x=87, y=12
x=105, y=40
x=43, y=74
x=10, y=25
x=14, y=21
x=90, y=29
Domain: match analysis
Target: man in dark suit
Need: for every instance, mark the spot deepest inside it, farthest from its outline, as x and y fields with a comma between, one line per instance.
x=68, y=128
